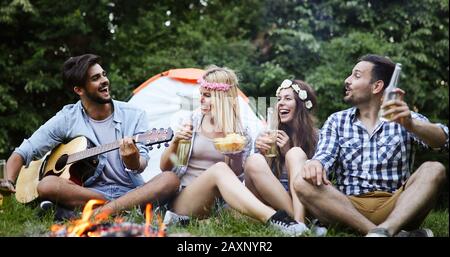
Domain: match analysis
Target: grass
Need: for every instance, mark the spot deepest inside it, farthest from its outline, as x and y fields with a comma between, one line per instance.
x=23, y=220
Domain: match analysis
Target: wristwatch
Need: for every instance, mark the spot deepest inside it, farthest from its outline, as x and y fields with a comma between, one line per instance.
x=130, y=170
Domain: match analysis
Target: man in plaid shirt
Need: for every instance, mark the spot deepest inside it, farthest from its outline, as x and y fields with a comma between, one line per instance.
x=372, y=160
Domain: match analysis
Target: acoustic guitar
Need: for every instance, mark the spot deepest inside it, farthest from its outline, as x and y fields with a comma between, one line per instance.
x=76, y=161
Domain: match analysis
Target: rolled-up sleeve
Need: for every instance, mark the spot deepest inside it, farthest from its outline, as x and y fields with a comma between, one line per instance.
x=420, y=142
x=445, y=129
x=48, y=136
x=328, y=146
x=142, y=126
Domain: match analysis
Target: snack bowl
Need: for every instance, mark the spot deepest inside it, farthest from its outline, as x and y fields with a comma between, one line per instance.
x=231, y=144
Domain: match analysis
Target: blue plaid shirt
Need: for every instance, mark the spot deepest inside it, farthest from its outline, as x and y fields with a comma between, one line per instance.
x=362, y=162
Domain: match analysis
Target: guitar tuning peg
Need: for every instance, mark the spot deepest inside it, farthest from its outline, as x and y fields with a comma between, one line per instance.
x=159, y=146
x=166, y=144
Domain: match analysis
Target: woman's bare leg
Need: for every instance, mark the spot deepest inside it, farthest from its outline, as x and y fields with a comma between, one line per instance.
x=158, y=189
x=259, y=178
x=295, y=159
x=219, y=180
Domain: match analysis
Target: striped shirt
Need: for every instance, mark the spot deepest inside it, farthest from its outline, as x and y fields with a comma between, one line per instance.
x=362, y=162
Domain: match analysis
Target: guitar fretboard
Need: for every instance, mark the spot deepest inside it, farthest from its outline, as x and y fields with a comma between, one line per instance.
x=94, y=151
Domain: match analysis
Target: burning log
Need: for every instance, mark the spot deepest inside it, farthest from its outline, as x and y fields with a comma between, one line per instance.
x=84, y=227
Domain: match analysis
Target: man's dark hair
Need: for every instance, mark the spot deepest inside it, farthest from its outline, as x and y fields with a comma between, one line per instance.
x=382, y=69
x=75, y=69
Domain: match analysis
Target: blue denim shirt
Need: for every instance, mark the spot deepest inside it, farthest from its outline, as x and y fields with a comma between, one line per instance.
x=72, y=121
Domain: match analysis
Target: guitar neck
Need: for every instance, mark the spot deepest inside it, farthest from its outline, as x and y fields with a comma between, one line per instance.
x=95, y=151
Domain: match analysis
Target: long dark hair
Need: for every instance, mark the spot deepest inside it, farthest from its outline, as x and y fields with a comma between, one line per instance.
x=302, y=131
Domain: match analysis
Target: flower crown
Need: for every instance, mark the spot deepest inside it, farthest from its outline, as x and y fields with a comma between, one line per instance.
x=213, y=85
x=302, y=94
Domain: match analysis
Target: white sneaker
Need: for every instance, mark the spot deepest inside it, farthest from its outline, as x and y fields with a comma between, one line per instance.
x=283, y=222
x=171, y=218
x=318, y=230
x=378, y=232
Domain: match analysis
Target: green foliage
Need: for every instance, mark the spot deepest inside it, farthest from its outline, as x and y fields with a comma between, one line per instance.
x=338, y=57
x=264, y=41
x=320, y=41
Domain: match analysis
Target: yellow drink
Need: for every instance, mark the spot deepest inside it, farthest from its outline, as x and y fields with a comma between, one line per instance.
x=273, y=145
x=183, y=152
x=391, y=96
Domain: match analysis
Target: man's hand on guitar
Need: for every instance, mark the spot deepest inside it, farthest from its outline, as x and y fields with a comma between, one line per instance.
x=6, y=187
x=129, y=153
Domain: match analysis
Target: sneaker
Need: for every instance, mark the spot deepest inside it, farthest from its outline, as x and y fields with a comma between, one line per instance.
x=283, y=222
x=62, y=214
x=318, y=229
x=421, y=232
x=46, y=205
x=378, y=232
x=171, y=218
x=44, y=208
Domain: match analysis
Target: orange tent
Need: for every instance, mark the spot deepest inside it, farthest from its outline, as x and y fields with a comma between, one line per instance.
x=173, y=94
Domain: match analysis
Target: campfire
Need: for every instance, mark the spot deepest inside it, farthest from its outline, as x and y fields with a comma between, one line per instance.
x=99, y=226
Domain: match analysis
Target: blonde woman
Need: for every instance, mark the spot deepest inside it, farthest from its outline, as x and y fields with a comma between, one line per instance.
x=271, y=179
x=210, y=174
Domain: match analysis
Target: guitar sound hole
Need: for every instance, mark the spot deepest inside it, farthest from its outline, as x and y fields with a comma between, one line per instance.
x=61, y=162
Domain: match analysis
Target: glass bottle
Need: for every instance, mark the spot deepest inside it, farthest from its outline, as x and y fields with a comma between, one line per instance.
x=183, y=145
x=389, y=93
x=272, y=126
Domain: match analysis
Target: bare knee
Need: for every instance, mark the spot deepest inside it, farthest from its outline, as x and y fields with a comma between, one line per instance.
x=171, y=180
x=296, y=153
x=303, y=188
x=220, y=168
x=220, y=165
x=255, y=163
x=47, y=187
x=433, y=171
x=168, y=182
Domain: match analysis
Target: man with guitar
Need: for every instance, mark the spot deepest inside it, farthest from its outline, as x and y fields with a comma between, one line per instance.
x=114, y=175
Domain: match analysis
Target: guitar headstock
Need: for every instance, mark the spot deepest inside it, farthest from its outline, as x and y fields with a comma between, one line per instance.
x=155, y=136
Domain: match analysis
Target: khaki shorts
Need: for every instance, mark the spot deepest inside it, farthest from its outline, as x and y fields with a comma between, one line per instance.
x=376, y=206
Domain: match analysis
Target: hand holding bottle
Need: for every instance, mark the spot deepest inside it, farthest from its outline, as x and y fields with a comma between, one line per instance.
x=183, y=139
x=184, y=132
x=397, y=110
x=264, y=142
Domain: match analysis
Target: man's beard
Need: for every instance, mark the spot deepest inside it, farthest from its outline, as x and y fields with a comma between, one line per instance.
x=97, y=99
x=346, y=99
x=354, y=101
